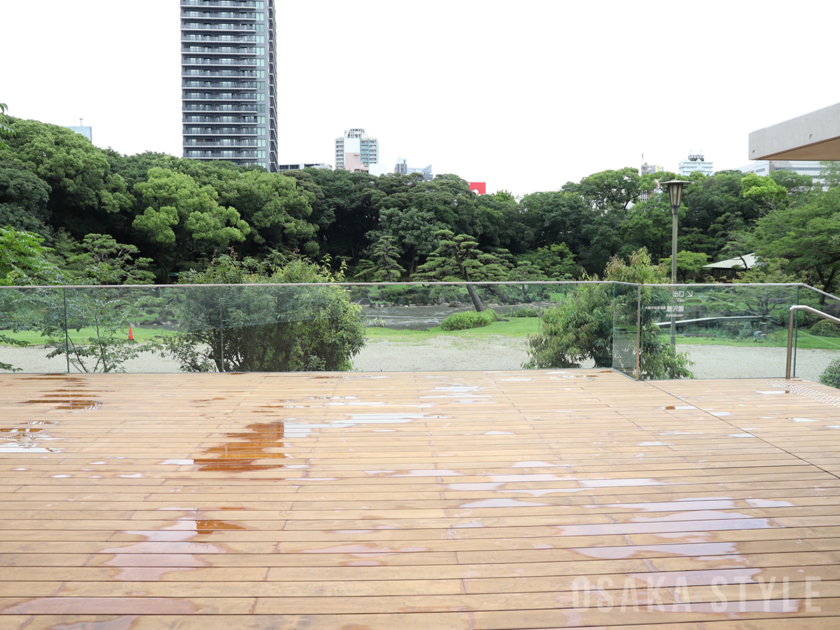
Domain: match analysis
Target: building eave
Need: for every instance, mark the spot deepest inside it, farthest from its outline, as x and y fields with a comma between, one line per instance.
x=814, y=136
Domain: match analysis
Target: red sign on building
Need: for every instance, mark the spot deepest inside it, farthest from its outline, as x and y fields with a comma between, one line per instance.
x=479, y=187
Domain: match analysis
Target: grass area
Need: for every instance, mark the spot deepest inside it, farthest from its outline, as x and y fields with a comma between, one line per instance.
x=773, y=340
x=34, y=338
x=519, y=327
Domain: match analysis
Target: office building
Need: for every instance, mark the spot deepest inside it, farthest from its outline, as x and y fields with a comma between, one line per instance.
x=765, y=167
x=356, y=151
x=651, y=169
x=403, y=168
x=229, y=81
x=301, y=166
x=87, y=132
x=696, y=163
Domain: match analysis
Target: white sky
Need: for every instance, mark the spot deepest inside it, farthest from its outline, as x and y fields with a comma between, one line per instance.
x=524, y=95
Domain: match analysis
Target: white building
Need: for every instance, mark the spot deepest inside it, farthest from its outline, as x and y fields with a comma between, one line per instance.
x=696, y=163
x=87, y=132
x=356, y=151
x=765, y=167
x=301, y=166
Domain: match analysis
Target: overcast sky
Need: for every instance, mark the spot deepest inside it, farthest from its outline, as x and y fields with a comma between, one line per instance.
x=524, y=95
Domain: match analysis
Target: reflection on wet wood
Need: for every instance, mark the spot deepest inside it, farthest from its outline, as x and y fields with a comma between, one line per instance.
x=451, y=500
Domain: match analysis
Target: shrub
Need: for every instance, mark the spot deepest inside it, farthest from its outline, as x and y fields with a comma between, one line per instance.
x=584, y=324
x=468, y=319
x=831, y=376
x=263, y=327
x=524, y=312
x=825, y=328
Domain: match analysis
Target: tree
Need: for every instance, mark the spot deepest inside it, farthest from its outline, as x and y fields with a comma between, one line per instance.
x=24, y=259
x=808, y=236
x=412, y=230
x=648, y=224
x=348, y=208
x=583, y=325
x=5, y=130
x=557, y=217
x=385, y=254
x=83, y=190
x=555, y=262
x=458, y=258
x=104, y=261
x=267, y=326
x=831, y=174
x=687, y=262
x=23, y=199
x=766, y=192
x=609, y=190
x=182, y=218
x=274, y=208
x=715, y=211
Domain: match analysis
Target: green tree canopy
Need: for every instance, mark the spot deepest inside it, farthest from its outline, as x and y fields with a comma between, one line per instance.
x=182, y=218
x=23, y=199
x=808, y=236
x=83, y=189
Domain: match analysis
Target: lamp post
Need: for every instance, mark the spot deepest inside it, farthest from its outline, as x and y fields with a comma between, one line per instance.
x=675, y=190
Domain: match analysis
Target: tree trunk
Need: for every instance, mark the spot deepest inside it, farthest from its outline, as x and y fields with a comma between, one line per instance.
x=479, y=306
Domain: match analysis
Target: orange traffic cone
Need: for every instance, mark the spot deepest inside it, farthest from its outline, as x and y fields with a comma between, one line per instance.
x=130, y=334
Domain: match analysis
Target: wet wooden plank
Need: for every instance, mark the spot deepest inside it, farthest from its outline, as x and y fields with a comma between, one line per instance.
x=449, y=500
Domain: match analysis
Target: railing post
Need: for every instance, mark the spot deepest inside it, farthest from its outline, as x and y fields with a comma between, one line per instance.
x=793, y=310
x=66, y=332
x=791, y=321
x=639, y=336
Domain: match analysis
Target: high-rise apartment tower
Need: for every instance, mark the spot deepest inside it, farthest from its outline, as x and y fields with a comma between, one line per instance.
x=229, y=81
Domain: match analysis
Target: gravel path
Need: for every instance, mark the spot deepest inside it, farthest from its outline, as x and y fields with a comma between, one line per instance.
x=487, y=353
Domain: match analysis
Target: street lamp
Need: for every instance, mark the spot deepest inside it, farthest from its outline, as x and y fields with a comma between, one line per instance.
x=675, y=190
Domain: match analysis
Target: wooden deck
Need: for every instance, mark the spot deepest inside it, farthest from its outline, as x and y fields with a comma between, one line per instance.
x=474, y=500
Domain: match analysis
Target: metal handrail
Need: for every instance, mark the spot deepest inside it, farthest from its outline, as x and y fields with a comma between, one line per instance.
x=793, y=309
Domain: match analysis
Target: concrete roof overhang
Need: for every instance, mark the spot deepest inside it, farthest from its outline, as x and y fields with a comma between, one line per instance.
x=814, y=136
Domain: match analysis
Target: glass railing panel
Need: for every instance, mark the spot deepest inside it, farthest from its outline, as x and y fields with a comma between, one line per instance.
x=626, y=331
x=424, y=327
x=817, y=340
x=725, y=331
x=32, y=330
x=120, y=329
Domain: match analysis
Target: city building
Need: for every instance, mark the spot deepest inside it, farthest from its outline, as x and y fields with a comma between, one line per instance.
x=696, y=163
x=229, y=81
x=301, y=166
x=403, y=168
x=651, y=169
x=479, y=188
x=356, y=151
x=765, y=167
x=87, y=132
x=814, y=136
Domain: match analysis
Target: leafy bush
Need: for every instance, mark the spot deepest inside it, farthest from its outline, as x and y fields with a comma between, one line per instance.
x=468, y=319
x=524, y=312
x=303, y=324
x=584, y=324
x=831, y=376
x=825, y=328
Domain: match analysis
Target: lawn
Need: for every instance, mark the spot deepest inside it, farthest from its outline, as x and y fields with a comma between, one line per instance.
x=776, y=339
x=33, y=337
x=516, y=327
